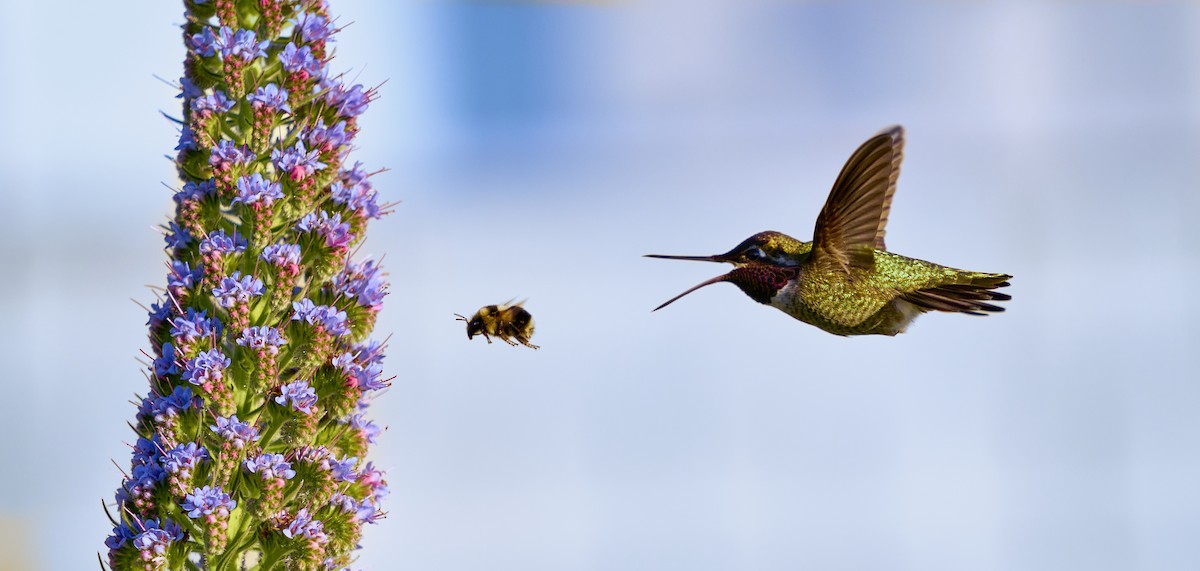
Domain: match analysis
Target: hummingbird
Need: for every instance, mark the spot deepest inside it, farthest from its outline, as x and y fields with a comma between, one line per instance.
x=845, y=281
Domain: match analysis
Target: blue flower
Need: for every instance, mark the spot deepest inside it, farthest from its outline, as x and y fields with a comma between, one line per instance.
x=207, y=367
x=335, y=232
x=165, y=364
x=327, y=138
x=330, y=318
x=370, y=378
x=362, y=281
x=237, y=289
x=367, y=428
x=343, y=470
x=153, y=541
x=313, y=27
x=221, y=243
x=298, y=395
x=269, y=96
x=215, y=102
x=270, y=466
x=121, y=533
x=194, y=326
x=184, y=459
x=187, y=139
x=196, y=191
x=209, y=500
x=159, y=312
x=177, y=236
x=255, y=189
x=179, y=400
x=244, y=44
x=360, y=197
x=188, y=89
x=183, y=276
x=347, y=102
x=281, y=255
x=234, y=431
x=147, y=450
x=262, y=337
x=227, y=153
x=204, y=43
x=297, y=162
x=303, y=525
x=301, y=59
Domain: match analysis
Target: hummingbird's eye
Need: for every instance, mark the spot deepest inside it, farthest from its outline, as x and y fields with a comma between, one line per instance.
x=754, y=254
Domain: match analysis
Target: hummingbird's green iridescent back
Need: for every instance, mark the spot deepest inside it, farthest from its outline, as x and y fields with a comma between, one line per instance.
x=845, y=281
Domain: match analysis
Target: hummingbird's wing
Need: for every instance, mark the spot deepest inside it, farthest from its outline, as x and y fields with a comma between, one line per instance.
x=852, y=222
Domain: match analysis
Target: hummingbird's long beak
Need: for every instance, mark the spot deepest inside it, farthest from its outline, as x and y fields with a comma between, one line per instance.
x=717, y=279
x=716, y=258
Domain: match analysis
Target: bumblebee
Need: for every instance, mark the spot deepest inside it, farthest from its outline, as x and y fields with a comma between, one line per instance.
x=509, y=321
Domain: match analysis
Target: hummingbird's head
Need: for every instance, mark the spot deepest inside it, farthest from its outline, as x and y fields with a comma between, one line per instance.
x=763, y=264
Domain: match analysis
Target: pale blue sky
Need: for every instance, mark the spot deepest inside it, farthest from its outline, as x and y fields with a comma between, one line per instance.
x=540, y=149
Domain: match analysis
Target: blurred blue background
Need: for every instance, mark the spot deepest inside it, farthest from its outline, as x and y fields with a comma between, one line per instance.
x=540, y=149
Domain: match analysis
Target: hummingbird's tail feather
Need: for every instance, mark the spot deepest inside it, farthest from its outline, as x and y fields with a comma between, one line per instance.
x=970, y=296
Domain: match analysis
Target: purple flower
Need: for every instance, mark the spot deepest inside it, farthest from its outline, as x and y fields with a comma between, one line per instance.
x=367, y=428
x=330, y=318
x=303, y=525
x=372, y=477
x=348, y=102
x=262, y=337
x=194, y=326
x=183, y=276
x=295, y=161
x=184, y=459
x=221, y=243
x=171, y=405
x=243, y=44
x=281, y=255
x=204, y=43
x=344, y=501
x=336, y=233
x=301, y=59
x=313, y=28
x=254, y=189
x=196, y=191
x=360, y=197
x=227, y=153
x=270, y=97
x=165, y=364
x=177, y=236
x=188, y=89
x=159, y=312
x=299, y=395
x=369, y=352
x=187, y=139
x=209, y=500
x=215, y=102
x=147, y=451
x=362, y=281
x=207, y=367
x=370, y=378
x=263, y=222
x=121, y=533
x=153, y=541
x=237, y=289
x=343, y=470
x=327, y=138
x=368, y=512
x=234, y=431
x=270, y=466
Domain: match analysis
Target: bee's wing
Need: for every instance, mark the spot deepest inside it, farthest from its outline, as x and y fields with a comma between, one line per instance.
x=852, y=221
